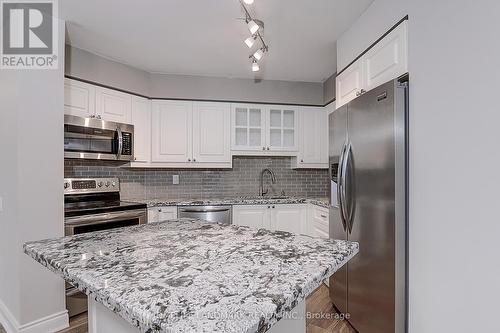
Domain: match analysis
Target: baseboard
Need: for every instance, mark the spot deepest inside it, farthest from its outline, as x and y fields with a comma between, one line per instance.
x=7, y=319
x=52, y=323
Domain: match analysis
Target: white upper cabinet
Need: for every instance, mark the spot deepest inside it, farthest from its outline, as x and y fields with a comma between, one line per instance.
x=172, y=131
x=282, y=133
x=141, y=119
x=349, y=83
x=264, y=130
x=211, y=132
x=247, y=127
x=87, y=100
x=385, y=61
x=191, y=135
x=113, y=105
x=79, y=98
x=388, y=59
x=313, y=146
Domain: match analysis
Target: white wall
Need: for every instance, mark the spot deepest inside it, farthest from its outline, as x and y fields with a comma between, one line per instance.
x=454, y=157
x=32, y=167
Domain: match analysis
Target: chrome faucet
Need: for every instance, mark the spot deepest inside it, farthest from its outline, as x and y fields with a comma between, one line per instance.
x=273, y=180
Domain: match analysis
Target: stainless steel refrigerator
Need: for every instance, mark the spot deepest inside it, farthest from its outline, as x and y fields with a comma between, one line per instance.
x=368, y=170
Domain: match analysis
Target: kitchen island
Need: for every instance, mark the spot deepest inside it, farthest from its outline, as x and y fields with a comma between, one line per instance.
x=188, y=276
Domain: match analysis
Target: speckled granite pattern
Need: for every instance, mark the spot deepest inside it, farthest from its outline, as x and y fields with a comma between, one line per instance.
x=322, y=202
x=189, y=276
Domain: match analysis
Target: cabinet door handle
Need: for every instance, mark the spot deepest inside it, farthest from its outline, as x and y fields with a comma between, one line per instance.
x=362, y=91
x=189, y=160
x=194, y=159
x=274, y=207
x=263, y=148
x=267, y=148
x=268, y=207
x=323, y=216
x=302, y=161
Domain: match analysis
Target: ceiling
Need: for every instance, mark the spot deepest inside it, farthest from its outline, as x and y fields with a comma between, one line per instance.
x=205, y=37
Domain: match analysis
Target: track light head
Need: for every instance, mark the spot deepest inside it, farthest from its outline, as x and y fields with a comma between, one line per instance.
x=255, y=66
x=250, y=41
x=253, y=26
x=258, y=54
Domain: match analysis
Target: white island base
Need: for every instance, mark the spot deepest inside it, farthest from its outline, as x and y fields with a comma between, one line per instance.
x=103, y=320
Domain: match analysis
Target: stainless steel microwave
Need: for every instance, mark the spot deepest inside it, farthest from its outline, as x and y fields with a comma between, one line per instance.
x=96, y=139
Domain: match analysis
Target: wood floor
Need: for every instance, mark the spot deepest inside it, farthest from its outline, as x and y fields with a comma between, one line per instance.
x=321, y=318
x=77, y=324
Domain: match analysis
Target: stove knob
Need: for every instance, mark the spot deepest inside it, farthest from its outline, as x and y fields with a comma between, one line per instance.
x=99, y=184
x=66, y=185
x=107, y=184
x=113, y=184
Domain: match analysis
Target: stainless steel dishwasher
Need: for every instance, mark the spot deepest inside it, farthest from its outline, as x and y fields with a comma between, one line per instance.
x=213, y=214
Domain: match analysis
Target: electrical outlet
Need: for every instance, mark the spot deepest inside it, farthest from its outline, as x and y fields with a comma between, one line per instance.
x=175, y=179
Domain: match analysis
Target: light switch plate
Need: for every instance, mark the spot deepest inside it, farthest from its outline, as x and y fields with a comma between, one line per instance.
x=175, y=179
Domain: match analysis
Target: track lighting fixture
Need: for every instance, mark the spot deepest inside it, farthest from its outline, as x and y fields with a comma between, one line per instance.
x=255, y=66
x=256, y=28
x=250, y=41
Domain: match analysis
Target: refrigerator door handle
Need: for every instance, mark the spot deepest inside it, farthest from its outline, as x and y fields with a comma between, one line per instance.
x=340, y=187
x=352, y=201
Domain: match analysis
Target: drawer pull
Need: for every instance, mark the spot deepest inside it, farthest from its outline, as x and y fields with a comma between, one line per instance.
x=323, y=216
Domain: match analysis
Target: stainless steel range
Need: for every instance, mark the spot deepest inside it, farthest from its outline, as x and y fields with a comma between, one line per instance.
x=94, y=204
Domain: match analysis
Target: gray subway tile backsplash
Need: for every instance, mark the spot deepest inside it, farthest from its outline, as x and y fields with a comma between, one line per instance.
x=241, y=180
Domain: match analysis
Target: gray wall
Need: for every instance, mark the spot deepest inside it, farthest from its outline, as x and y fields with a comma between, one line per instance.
x=31, y=141
x=199, y=87
x=329, y=89
x=454, y=157
x=242, y=179
x=88, y=66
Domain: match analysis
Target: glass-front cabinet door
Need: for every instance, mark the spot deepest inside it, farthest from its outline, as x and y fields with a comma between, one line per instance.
x=282, y=133
x=248, y=127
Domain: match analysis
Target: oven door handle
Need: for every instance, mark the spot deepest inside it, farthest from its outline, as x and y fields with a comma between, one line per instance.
x=203, y=210
x=120, y=143
x=103, y=218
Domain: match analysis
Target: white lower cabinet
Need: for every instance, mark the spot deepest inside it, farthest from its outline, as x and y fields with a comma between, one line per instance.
x=254, y=216
x=291, y=218
x=318, y=222
x=159, y=214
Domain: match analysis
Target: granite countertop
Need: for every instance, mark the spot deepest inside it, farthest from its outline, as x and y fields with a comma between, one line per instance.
x=188, y=276
x=322, y=202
